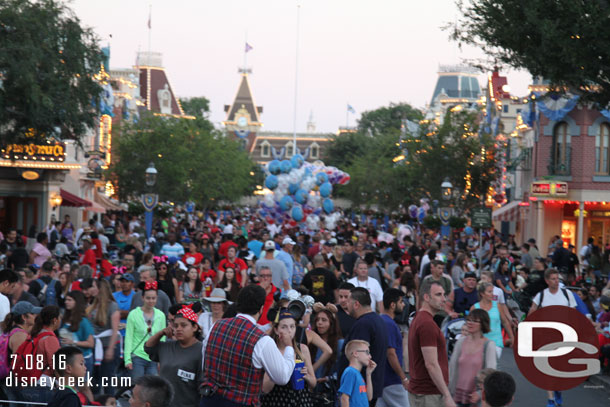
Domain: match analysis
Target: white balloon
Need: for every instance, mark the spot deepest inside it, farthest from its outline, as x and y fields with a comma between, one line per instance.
x=268, y=200
x=313, y=201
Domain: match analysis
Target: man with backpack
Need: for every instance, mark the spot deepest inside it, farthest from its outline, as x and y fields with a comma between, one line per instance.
x=553, y=295
x=46, y=288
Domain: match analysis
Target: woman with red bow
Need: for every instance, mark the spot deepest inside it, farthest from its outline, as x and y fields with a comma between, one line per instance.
x=142, y=323
x=180, y=359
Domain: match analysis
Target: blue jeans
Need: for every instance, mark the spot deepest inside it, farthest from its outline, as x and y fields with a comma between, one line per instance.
x=108, y=369
x=142, y=367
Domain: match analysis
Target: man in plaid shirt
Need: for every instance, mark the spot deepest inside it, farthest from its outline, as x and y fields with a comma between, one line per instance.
x=237, y=353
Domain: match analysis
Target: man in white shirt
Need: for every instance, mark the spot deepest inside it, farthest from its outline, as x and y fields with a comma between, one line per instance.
x=363, y=280
x=8, y=280
x=553, y=295
x=237, y=353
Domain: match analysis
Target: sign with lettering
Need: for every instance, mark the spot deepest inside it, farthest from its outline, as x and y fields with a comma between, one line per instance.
x=52, y=151
x=549, y=188
x=480, y=218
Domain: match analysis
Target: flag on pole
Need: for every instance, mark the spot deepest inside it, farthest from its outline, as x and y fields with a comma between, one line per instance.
x=149, y=19
x=248, y=47
x=350, y=109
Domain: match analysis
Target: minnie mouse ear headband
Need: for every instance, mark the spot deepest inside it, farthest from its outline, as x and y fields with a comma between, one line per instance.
x=188, y=313
x=318, y=306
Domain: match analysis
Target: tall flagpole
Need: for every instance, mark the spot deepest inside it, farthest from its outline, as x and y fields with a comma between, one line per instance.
x=347, y=116
x=296, y=82
x=149, y=31
x=246, y=54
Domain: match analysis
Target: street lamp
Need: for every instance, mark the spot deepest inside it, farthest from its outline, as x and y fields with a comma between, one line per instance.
x=150, y=200
x=151, y=175
x=446, y=190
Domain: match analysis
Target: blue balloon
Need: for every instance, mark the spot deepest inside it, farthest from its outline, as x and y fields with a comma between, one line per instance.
x=413, y=211
x=307, y=173
x=469, y=231
x=321, y=178
x=421, y=214
x=301, y=196
x=286, y=203
x=271, y=182
x=326, y=189
x=297, y=161
x=328, y=205
x=297, y=213
x=286, y=166
x=274, y=167
x=293, y=188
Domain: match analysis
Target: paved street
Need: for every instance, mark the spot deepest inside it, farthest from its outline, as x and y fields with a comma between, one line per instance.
x=529, y=395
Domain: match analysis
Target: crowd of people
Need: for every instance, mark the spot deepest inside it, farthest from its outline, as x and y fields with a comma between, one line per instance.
x=232, y=311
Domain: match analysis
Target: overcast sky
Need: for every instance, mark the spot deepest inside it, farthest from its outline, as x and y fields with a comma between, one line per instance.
x=368, y=53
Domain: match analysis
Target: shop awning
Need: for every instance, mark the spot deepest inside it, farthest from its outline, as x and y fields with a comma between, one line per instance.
x=106, y=202
x=508, y=213
x=68, y=199
x=95, y=207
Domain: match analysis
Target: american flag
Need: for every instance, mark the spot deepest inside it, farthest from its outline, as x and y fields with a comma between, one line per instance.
x=248, y=47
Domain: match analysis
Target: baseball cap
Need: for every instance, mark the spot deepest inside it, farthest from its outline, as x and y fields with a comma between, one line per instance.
x=24, y=307
x=288, y=240
x=269, y=245
x=470, y=274
x=127, y=277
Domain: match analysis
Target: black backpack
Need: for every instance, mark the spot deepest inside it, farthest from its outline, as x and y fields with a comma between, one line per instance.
x=565, y=293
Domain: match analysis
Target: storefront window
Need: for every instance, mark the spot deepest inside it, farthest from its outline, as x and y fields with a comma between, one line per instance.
x=602, y=149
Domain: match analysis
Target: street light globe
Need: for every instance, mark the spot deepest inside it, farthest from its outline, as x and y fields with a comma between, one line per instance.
x=446, y=189
x=151, y=175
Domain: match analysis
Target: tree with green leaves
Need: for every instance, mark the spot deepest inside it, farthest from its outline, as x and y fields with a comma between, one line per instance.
x=196, y=106
x=451, y=150
x=47, y=66
x=564, y=41
x=193, y=162
x=388, y=118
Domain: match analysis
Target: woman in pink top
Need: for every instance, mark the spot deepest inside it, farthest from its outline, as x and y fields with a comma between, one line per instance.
x=472, y=353
x=40, y=253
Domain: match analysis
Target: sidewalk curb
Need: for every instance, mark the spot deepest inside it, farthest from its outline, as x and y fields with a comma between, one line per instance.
x=602, y=382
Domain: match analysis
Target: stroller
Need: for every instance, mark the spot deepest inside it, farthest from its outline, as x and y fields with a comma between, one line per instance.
x=452, y=329
x=325, y=394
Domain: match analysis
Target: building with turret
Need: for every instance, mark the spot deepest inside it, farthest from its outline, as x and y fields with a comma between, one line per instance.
x=243, y=122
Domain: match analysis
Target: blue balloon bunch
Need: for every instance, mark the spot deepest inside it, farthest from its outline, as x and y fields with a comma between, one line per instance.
x=301, y=192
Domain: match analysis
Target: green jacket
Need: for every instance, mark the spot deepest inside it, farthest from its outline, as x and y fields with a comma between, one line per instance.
x=137, y=334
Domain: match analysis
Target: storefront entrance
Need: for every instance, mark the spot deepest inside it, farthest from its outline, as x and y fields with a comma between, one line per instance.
x=599, y=230
x=20, y=213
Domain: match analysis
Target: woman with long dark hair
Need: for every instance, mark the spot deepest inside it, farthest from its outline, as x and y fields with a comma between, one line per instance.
x=503, y=277
x=326, y=325
x=76, y=329
x=167, y=283
x=290, y=395
x=46, y=344
x=192, y=288
x=229, y=284
x=180, y=359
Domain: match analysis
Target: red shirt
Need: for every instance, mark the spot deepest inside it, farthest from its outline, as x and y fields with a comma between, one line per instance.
x=98, y=248
x=313, y=250
x=424, y=332
x=238, y=265
x=204, y=276
x=268, y=302
x=197, y=256
x=224, y=248
x=89, y=258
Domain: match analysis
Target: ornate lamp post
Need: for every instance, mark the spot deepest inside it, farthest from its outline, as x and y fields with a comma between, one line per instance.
x=150, y=200
x=446, y=211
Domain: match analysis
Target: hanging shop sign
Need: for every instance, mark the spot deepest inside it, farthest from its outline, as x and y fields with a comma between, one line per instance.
x=49, y=151
x=549, y=188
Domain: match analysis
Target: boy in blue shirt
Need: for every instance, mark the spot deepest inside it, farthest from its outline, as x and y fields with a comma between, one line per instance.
x=353, y=387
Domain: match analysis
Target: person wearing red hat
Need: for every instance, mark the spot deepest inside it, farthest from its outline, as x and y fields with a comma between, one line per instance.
x=179, y=359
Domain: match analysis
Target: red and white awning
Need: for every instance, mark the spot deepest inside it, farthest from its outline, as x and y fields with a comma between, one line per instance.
x=508, y=213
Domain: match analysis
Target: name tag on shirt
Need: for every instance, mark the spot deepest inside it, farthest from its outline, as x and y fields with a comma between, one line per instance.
x=186, y=376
